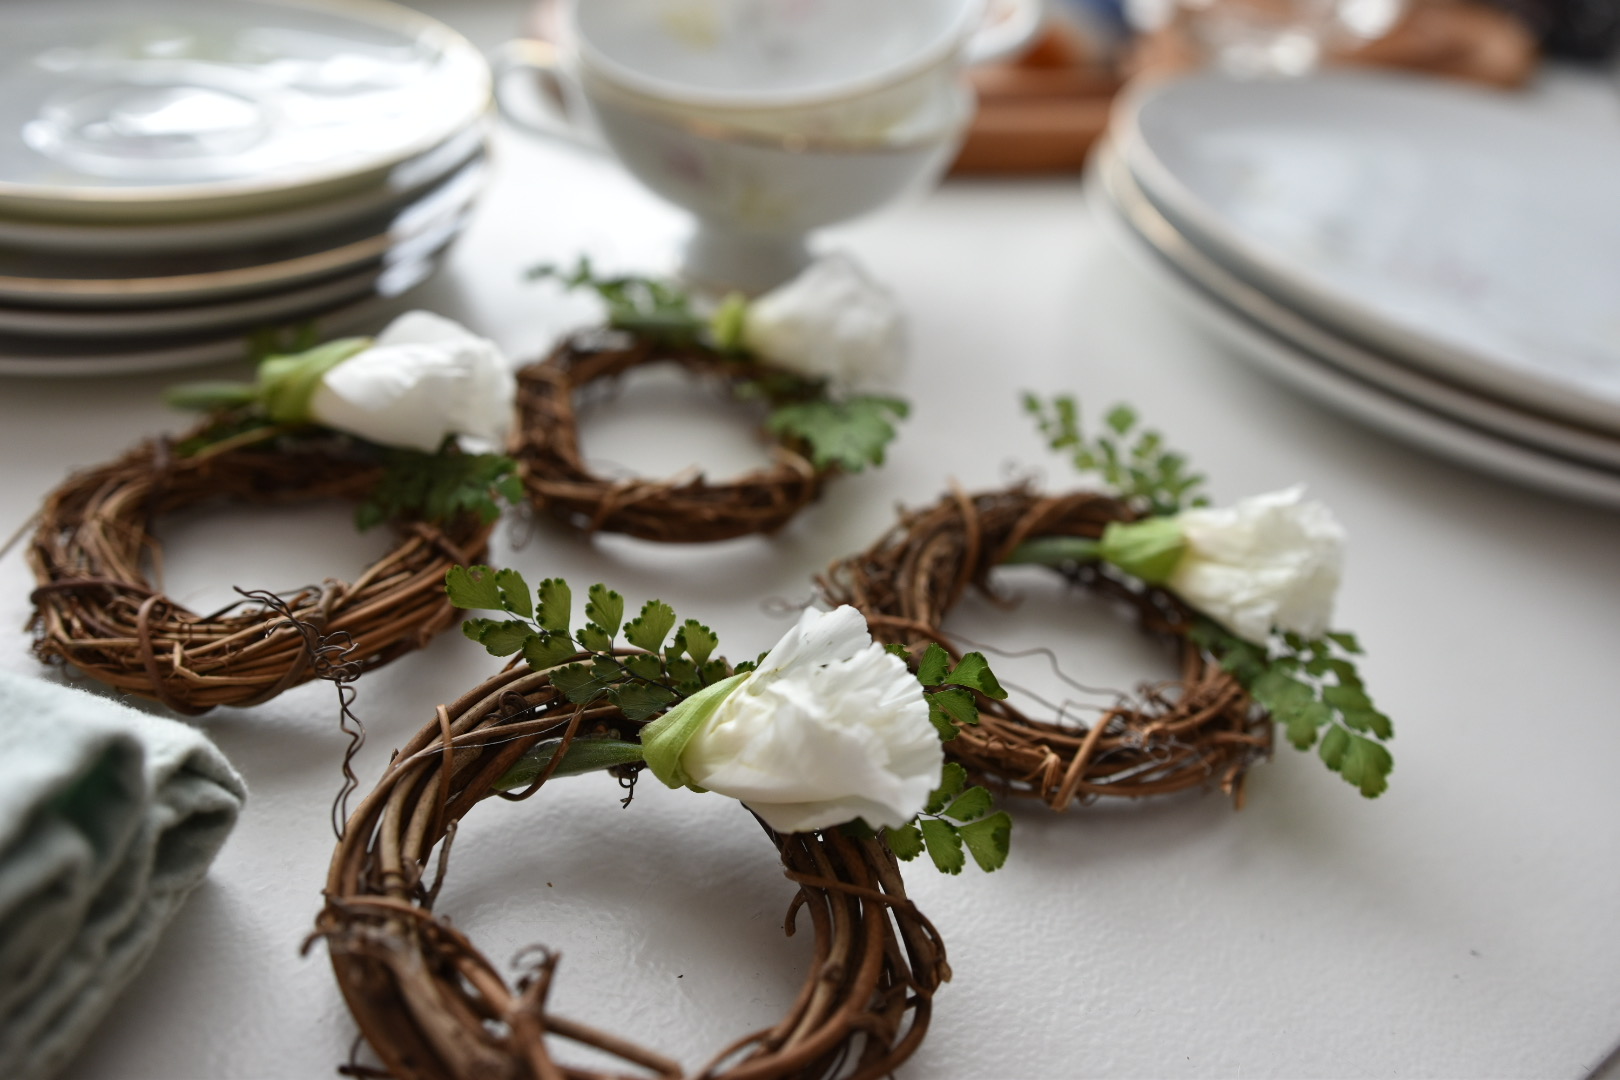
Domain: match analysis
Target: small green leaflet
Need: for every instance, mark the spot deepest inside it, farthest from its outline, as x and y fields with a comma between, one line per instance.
x=542, y=651
x=605, y=608
x=695, y=640
x=439, y=487
x=649, y=629
x=955, y=816
x=944, y=845
x=641, y=305
x=514, y=593
x=556, y=605
x=639, y=701
x=500, y=638
x=1314, y=693
x=640, y=684
x=473, y=587
x=935, y=662
x=851, y=434
x=955, y=705
x=1141, y=470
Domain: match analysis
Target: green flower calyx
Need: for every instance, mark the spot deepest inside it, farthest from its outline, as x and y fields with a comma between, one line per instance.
x=664, y=740
x=1149, y=549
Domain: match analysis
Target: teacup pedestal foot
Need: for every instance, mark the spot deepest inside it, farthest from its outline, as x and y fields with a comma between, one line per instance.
x=720, y=260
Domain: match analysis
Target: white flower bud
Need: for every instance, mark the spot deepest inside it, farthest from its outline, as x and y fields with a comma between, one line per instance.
x=830, y=728
x=424, y=378
x=1268, y=561
x=831, y=322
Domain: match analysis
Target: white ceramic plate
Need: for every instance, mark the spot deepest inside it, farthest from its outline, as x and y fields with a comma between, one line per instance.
x=120, y=110
x=79, y=282
x=1456, y=228
x=403, y=184
x=83, y=363
x=1322, y=344
x=1359, y=400
x=67, y=360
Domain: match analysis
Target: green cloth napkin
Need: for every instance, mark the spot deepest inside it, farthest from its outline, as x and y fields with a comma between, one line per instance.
x=108, y=819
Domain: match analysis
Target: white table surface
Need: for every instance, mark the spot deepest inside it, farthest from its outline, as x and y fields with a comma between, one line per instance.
x=1464, y=924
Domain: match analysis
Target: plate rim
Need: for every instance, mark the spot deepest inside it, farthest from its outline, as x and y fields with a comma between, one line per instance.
x=1369, y=405
x=1323, y=345
x=1362, y=323
x=185, y=202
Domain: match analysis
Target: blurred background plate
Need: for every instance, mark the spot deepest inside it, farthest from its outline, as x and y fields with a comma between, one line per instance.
x=127, y=324
x=401, y=185
x=85, y=282
x=144, y=110
x=1453, y=228
x=1115, y=184
x=24, y=357
x=1353, y=397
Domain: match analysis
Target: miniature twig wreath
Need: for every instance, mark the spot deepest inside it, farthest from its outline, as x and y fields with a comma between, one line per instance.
x=796, y=350
x=372, y=422
x=432, y=1006
x=1242, y=596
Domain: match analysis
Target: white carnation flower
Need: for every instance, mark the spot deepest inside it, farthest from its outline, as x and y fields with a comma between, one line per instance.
x=832, y=322
x=1268, y=561
x=423, y=378
x=830, y=728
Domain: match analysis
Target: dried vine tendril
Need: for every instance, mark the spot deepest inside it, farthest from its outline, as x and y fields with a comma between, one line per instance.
x=1128, y=544
x=815, y=430
x=96, y=608
x=431, y=1005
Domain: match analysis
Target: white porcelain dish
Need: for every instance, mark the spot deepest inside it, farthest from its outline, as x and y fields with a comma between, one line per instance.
x=121, y=110
x=1321, y=343
x=1353, y=397
x=128, y=324
x=1454, y=228
x=425, y=225
x=67, y=361
x=402, y=185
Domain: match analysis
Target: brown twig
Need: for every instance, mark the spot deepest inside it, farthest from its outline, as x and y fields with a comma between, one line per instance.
x=1200, y=729
x=95, y=608
x=682, y=509
x=434, y=1008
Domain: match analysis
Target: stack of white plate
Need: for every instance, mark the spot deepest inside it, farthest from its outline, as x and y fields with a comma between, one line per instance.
x=177, y=176
x=1438, y=261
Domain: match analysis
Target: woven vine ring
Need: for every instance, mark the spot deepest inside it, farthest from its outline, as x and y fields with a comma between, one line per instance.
x=434, y=1008
x=1199, y=729
x=673, y=510
x=96, y=608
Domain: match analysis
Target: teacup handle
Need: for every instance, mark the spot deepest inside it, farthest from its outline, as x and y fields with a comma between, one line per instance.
x=1008, y=34
x=551, y=109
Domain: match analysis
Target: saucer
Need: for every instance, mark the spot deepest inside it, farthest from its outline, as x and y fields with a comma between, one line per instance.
x=184, y=109
x=1457, y=229
x=403, y=184
x=1115, y=182
x=80, y=282
x=1346, y=394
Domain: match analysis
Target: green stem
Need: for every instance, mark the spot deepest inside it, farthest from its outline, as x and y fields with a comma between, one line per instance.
x=1054, y=551
x=209, y=396
x=583, y=756
x=666, y=324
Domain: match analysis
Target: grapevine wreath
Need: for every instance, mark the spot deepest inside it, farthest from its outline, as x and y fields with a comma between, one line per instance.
x=431, y=1005
x=332, y=422
x=1138, y=544
x=795, y=350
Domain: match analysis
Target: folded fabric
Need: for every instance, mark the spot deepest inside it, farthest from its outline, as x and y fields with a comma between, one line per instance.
x=108, y=819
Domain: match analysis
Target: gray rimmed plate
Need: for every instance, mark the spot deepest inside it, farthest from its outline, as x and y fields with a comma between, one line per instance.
x=148, y=110
x=78, y=282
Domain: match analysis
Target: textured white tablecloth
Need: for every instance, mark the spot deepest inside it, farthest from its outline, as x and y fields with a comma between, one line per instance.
x=1462, y=925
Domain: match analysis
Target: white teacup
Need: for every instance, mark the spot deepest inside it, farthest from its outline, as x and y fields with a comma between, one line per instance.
x=768, y=119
